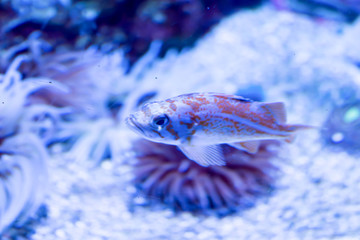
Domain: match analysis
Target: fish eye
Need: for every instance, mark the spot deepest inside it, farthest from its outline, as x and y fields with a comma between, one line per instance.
x=161, y=121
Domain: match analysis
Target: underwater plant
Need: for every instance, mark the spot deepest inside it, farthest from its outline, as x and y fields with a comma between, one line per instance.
x=163, y=173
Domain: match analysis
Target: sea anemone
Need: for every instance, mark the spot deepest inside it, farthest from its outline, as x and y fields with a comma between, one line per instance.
x=85, y=120
x=14, y=93
x=79, y=72
x=23, y=178
x=162, y=172
x=33, y=47
x=23, y=171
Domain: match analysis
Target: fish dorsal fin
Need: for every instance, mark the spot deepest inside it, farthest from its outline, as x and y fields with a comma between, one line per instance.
x=250, y=146
x=229, y=96
x=217, y=95
x=277, y=109
x=204, y=155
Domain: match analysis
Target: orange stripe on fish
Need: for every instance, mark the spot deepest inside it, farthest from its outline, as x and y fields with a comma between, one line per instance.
x=198, y=122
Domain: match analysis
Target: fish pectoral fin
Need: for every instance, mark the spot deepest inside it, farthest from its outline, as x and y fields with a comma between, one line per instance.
x=204, y=155
x=277, y=109
x=250, y=146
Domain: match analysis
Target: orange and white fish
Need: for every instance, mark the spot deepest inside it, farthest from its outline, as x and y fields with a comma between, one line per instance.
x=199, y=122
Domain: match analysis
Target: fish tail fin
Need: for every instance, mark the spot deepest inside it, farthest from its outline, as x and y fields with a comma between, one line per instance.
x=295, y=128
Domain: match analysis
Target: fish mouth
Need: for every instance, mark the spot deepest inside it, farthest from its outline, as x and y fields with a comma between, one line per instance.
x=134, y=125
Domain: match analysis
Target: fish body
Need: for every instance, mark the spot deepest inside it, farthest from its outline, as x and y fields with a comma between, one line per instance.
x=198, y=122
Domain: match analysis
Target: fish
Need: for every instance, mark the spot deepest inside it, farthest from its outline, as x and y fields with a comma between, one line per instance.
x=198, y=123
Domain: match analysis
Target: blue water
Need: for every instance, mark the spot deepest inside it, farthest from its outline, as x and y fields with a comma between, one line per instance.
x=63, y=148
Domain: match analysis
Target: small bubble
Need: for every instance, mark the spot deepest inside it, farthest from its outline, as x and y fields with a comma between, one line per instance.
x=189, y=235
x=60, y=233
x=80, y=224
x=351, y=115
x=139, y=200
x=337, y=137
x=107, y=165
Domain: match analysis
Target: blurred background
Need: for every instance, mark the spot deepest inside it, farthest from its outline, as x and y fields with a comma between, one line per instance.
x=71, y=71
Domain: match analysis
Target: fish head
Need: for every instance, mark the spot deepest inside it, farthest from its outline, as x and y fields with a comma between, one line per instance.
x=156, y=122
